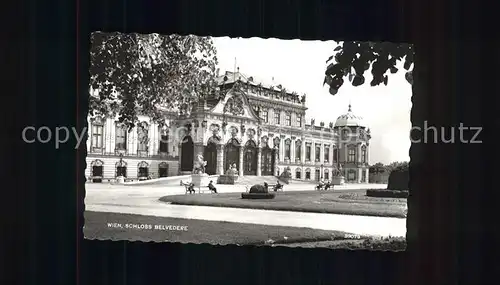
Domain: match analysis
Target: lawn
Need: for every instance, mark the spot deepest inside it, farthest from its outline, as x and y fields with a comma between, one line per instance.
x=98, y=226
x=301, y=201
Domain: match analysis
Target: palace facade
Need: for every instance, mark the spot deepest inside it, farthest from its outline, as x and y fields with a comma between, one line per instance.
x=258, y=127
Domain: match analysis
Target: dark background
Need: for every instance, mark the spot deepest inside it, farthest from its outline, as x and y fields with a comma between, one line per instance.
x=449, y=239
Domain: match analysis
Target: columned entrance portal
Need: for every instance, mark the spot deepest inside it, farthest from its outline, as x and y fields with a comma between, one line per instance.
x=210, y=156
x=232, y=154
x=250, y=158
x=187, y=154
x=267, y=161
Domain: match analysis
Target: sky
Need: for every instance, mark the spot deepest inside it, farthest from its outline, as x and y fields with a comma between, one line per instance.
x=300, y=66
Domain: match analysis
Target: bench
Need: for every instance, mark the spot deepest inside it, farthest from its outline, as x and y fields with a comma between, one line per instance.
x=272, y=186
x=200, y=188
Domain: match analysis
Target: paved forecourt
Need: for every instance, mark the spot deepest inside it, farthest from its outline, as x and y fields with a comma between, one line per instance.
x=143, y=200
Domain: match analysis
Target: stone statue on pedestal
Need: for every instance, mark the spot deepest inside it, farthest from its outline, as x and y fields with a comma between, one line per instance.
x=199, y=165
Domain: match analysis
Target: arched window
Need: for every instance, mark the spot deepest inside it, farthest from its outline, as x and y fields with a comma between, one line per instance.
x=298, y=150
x=351, y=154
x=298, y=173
x=121, y=168
x=142, y=169
x=363, y=154
x=308, y=174
x=326, y=174
x=97, y=170
x=288, y=144
x=163, y=169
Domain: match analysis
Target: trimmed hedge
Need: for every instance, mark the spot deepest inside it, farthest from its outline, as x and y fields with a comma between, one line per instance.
x=257, y=195
x=258, y=188
x=383, y=193
x=399, y=178
x=386, y=244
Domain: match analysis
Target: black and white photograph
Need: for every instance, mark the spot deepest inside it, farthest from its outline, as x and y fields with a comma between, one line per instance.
x=248, y=141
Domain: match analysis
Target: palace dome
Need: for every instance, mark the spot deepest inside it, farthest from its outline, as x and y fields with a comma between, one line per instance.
x=349, y=119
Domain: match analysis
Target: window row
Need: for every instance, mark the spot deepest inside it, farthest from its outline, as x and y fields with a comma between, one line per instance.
x=264, y=115
x=97, y=170
x=351, y=152
x=351, y=175
x=121, y=138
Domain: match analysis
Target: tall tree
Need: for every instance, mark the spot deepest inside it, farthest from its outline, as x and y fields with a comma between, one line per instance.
x=141, y=74
x=352, y=59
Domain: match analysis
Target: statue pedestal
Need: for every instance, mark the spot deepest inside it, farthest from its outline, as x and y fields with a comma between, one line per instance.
x=200, y=179
x=120, y=179
x=338, y=180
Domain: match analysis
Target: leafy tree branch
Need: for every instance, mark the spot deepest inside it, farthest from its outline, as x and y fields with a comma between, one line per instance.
x=146, y=74
x=352, y=59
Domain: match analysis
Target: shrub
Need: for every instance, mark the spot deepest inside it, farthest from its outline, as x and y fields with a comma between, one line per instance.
x=382, y=193
x=257, y=195
x=258, y=188
x=399, y=178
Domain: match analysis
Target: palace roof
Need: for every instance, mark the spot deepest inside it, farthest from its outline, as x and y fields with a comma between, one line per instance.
x=349, y=119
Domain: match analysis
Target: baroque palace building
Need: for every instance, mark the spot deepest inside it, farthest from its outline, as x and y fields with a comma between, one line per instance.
x=258, y=127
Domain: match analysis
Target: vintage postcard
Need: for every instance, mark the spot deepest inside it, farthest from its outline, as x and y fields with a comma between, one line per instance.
x=248, y=141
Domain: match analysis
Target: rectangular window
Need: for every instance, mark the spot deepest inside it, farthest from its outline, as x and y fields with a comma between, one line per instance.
x=327, y=177
x=327, y=153
x=308, y=152
x=287, y=150
x=363, y=155
x=97, y=136
x=121, y=138
x=264, y=115
x=318, y=152
x=351, y=155
x=277, y=117
x=298, y=151
x=335, y=154
x=164, y=143
x=299, y=120
x=288, y=119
